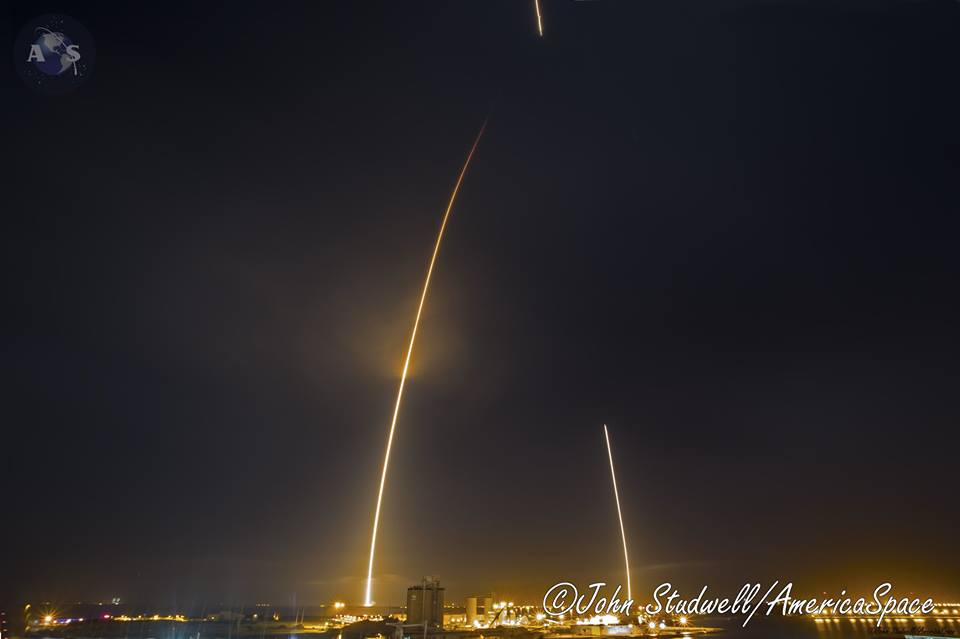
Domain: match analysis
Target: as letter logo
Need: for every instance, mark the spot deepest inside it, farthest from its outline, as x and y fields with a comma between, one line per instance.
x=36, y=54
x=54, y=54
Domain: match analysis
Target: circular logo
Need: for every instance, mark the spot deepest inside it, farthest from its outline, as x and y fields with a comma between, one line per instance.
x=54, y=54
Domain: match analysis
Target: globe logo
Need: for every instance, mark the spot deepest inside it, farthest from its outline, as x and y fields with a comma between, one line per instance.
x=54, y=54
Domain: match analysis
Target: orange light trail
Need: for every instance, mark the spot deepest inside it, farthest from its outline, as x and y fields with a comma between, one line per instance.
x=616, y=496
x=368, y=601
x=536, y=4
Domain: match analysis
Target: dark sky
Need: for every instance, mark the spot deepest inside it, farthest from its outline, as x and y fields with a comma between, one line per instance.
x=726, y=228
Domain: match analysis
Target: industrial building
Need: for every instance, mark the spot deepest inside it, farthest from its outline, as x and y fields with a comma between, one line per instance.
x=479, y=610
x=425, y=604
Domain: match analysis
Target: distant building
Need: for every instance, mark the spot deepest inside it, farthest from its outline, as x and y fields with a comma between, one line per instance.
x=425, y=603
x=228, y=615
x=479, y=610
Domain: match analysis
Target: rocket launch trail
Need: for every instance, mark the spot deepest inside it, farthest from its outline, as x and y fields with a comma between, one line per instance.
x=368, y=601
x=536, y=5
x=616, y=496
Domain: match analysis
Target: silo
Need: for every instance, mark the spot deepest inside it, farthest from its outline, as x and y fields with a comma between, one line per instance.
x=488, y=611
x=471, y=611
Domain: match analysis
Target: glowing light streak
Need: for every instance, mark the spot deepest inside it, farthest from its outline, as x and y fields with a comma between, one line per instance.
x=406, y=365
x=616, y=496
x=536, y=4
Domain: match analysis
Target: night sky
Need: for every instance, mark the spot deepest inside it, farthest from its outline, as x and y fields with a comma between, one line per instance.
x=726, y=228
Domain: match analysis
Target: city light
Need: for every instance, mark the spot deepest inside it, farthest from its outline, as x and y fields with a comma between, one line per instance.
x=599, y=620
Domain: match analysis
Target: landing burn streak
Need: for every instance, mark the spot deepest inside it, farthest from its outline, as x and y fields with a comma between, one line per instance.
x=616, y=496
x=368, y=601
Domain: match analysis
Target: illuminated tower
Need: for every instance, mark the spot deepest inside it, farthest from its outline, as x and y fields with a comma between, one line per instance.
x=479, y=610
x=425, y=603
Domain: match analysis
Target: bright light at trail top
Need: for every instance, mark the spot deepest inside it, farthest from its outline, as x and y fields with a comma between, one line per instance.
x=367, y=599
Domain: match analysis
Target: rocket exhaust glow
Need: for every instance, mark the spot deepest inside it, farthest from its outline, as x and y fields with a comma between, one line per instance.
x=536, y=4
x=406, y=364
x=616, y=496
